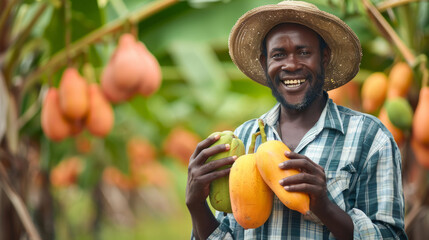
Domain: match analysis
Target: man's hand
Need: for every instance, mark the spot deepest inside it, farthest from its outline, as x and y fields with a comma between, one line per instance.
x=200, y=175
x=312, y=180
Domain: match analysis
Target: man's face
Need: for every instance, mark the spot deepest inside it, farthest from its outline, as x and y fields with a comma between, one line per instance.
x=294, y=65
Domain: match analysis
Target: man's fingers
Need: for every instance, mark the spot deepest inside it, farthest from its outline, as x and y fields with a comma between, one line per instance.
x=205, y=144
x=212, y=166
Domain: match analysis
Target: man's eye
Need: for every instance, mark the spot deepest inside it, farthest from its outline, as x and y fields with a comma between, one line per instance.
x=278, y=55
x=304, y=53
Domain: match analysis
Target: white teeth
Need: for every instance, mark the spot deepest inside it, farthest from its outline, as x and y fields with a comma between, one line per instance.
x=294, y=83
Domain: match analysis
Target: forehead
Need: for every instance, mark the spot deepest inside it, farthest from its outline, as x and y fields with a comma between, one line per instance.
x=296, y=32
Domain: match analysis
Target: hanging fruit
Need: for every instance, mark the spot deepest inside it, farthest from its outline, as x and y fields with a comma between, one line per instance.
x=400, y=80
x=151, y=79
x=420, y=121
x=400, y=112
x=374, y=92
x=54, y=124
x=397, y=133
x=100, y=117
x=73, y=94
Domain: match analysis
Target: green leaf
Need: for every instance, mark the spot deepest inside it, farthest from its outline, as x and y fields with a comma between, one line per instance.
x=202, y=71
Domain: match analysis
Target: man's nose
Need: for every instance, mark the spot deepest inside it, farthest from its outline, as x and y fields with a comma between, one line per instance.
x=290, y=64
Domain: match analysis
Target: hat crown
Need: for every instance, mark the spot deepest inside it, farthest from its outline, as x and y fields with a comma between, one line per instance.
x=297, y=3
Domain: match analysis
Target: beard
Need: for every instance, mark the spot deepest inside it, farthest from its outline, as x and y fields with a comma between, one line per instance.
x=314, y=91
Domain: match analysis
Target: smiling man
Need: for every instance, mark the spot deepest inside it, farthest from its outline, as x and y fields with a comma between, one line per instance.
x=349, y=164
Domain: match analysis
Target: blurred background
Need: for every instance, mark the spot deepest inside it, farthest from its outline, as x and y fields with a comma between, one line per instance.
x=119, y=170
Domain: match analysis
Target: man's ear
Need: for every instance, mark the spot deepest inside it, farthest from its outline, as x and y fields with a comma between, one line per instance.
x=326, y=57
x=263, y=61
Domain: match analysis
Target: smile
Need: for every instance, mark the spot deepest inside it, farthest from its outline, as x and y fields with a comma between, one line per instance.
x=293, y=82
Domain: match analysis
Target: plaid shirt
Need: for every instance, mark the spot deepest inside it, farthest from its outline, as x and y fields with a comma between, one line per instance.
x=363, y=170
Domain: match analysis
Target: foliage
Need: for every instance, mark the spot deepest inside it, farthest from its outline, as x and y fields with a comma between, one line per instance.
x=202, y=92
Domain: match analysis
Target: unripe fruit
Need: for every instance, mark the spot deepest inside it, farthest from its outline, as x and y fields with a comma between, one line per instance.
x=73, y=94
x=399, y=112
x=100, y=117
x=54, y=124
x=397, y=133
x=219, y=188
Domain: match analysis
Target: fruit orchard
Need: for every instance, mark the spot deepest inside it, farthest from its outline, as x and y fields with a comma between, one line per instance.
x=102, y=102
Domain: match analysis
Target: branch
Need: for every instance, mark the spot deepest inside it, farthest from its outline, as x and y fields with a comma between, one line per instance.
x=20, y=41
x=389, y=33
x=19, y=205
x=6, y=13
x=383, y=6
x=59, y=59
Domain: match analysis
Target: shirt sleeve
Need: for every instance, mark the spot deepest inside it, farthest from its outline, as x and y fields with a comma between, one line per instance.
x=223, y=231
x=379, y=204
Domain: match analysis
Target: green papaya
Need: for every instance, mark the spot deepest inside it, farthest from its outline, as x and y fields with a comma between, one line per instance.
x=219, y=188
x=399, y=112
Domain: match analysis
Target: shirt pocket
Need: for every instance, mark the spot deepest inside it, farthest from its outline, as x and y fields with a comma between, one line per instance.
x=338, y=182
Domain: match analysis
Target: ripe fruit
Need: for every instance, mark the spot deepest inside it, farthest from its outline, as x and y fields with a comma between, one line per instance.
x=421, y=116
x=54, y=124
x=400, y=80
x=152, y=76
x=268, y=157
x=126, y=64
x=421, y=152
x=251, y=198
x=180, y=144
x=100, y=117
x=66, y=172
x=219, y=188
x=140, y=151
x=73, y=94
x=114, y=177
x=110, y=90
x=374, y=92
x=400, y=113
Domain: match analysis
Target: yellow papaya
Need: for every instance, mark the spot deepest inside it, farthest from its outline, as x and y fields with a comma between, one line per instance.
x=268, y=157
x=251, y=198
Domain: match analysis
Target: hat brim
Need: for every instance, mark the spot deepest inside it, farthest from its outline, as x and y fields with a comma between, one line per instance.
x=250, y=30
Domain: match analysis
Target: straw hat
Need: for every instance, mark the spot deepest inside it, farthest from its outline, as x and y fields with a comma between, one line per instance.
x=249, y=31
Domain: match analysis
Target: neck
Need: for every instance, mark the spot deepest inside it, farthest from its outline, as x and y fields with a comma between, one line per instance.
x=306, y=117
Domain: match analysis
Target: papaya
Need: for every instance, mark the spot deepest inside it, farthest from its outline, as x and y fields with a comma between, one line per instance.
x=152, y=76
x=397, y=133
x=219, y=188
x=268, y=157
x=374, y=91
x=110, y=90
x=421, y=115
x=126, y=64
x=251, y=198
x=54, y=124
x=100, y=117
x=400, y=80
x=73, y=94
x=421, y=153
x=400, y=112
x=180, y=144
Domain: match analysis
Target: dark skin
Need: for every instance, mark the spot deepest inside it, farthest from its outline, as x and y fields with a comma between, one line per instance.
x=293, y=55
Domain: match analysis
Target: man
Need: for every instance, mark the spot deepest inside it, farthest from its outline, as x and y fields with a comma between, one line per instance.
x=349, y=163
